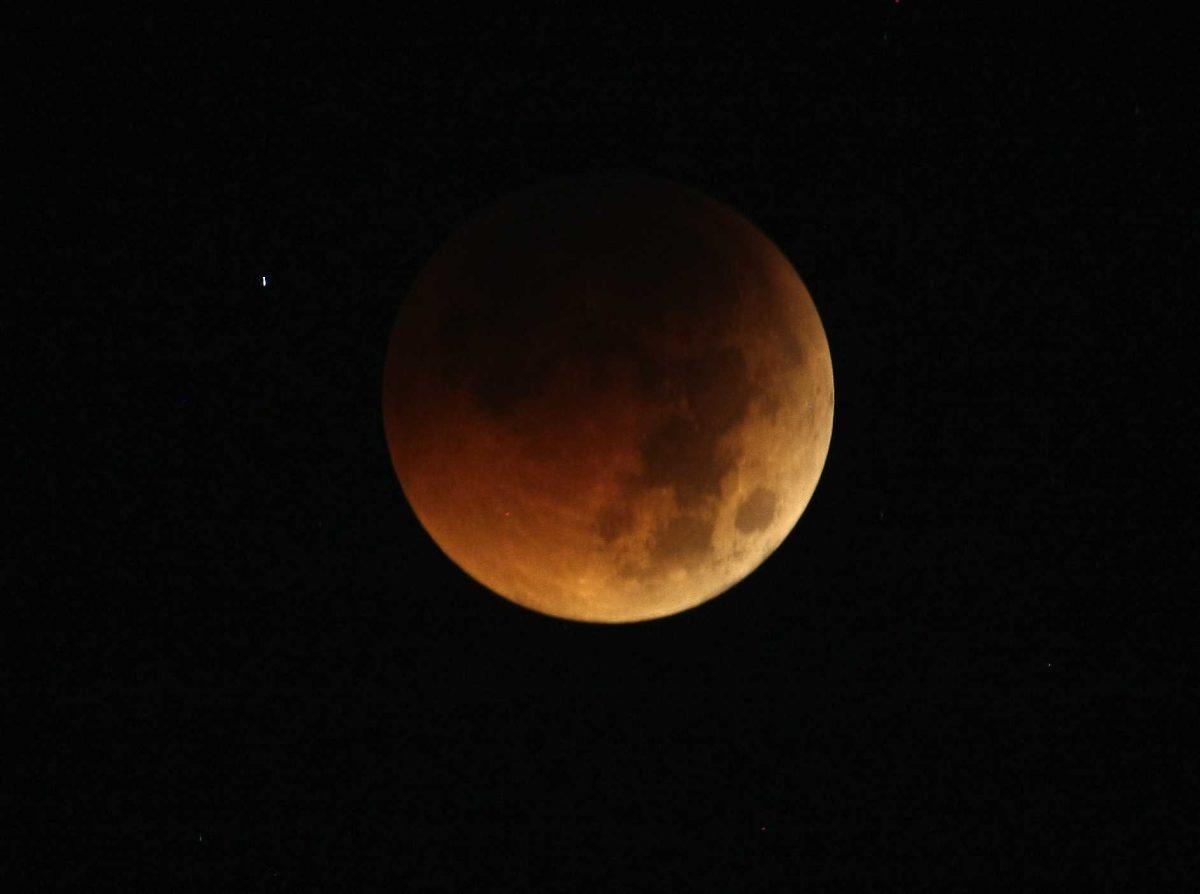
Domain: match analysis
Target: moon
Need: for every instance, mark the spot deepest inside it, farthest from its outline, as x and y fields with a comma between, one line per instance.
x=608, y=400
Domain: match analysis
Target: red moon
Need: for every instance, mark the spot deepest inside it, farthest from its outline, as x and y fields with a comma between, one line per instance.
x=610, y=400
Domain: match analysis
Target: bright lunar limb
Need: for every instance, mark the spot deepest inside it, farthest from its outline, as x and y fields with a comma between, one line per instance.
x=609, y=400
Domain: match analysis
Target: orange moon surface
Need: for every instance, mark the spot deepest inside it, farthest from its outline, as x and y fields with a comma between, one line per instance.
x=610, y=400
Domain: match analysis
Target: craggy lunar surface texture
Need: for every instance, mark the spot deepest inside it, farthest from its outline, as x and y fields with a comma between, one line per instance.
x=608, y=401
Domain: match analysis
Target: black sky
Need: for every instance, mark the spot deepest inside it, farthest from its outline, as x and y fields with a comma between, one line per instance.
x=262, y=672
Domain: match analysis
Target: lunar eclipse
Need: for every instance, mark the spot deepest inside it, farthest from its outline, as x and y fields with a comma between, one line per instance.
x=609, y=400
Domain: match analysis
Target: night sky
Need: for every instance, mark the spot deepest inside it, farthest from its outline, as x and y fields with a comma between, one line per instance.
x=252, y=669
